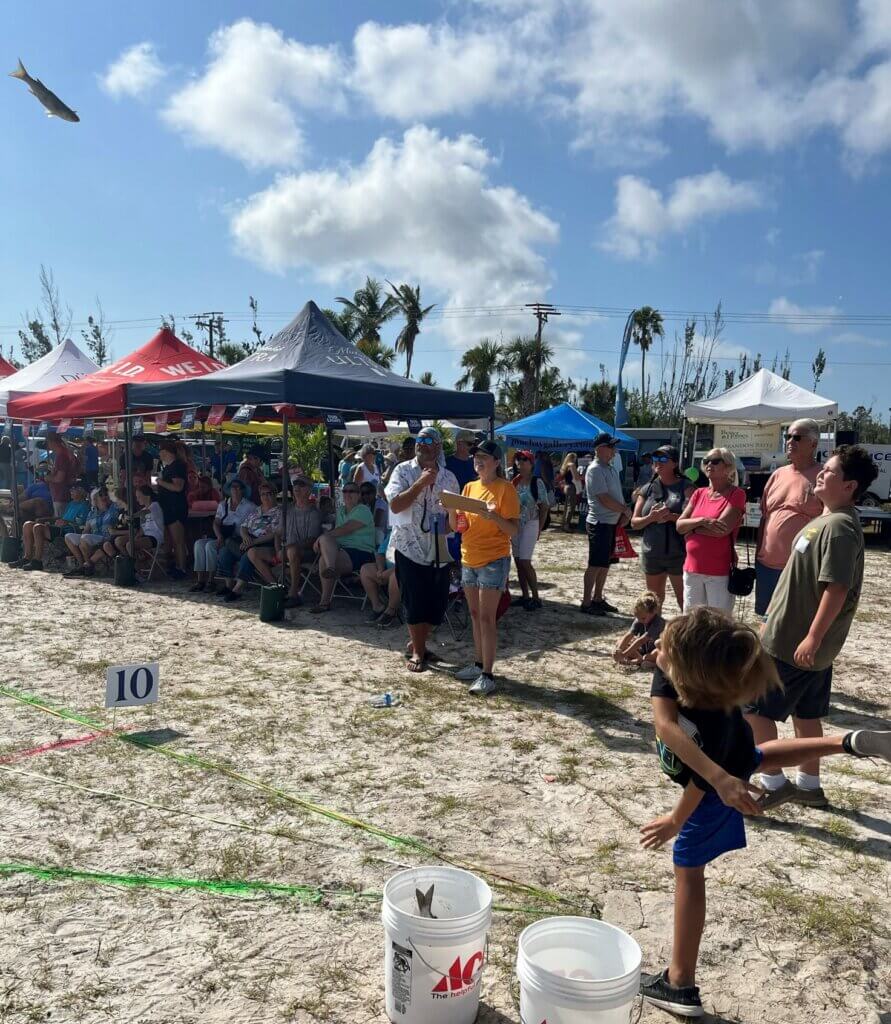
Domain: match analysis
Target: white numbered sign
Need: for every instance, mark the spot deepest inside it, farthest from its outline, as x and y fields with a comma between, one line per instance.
x=129, y=685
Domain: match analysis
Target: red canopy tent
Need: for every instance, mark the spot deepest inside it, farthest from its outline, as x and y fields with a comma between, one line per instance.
x=104, y=393
x=6, y=368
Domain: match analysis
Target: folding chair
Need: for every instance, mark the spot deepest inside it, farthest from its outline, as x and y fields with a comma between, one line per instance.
x=154, y=561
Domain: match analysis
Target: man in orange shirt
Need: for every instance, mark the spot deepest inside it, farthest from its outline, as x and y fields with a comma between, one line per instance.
x=788, y=504
x=485, y=558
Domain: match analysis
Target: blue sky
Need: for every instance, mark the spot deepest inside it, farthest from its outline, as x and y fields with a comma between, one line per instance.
x=495, y=151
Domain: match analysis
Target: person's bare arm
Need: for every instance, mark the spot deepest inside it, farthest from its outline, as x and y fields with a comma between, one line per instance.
x=687, y=522
x=731, y=790
x=658, y=831
x=831, y=603
x=400, y=502
x=608, y=501
x=509, y=526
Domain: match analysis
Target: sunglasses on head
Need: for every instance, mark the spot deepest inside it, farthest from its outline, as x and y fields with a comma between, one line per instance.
x=713, y=462
x=426, y=440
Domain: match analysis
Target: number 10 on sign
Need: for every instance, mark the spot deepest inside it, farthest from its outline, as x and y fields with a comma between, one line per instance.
x=130, y=685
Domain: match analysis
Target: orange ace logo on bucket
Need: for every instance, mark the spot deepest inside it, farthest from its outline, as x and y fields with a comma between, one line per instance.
x=459, y=980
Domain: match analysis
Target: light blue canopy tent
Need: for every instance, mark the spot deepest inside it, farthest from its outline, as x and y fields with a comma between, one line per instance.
x=563, y=428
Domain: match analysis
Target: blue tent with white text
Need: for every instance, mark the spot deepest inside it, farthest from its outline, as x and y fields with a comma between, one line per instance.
x=564, y=428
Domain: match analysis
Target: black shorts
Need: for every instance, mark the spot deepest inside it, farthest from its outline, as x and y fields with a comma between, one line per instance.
x=424, y=590
x=177, y=514
x=601, y=542
x=805, y=694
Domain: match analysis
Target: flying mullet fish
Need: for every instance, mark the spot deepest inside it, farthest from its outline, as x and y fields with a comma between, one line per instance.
x=54, y=106
x=425, y=902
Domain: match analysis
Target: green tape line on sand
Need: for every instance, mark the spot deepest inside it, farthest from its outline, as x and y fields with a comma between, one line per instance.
x=403, y=842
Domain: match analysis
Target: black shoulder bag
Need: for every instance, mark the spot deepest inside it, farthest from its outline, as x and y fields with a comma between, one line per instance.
x=742, y=581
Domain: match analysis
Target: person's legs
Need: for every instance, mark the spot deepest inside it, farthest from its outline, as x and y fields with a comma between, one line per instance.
x=764, y=730
x=42, y=537
x=420, y=634
x=717, y=595
x=488, y=607
x=328, y=552
x=689, y=922
x=521, y=577
x=784, y=753
x=677, y=585
x=599, y=584
x=694, y=591
x=110, y=548
x=178, y=537
x=28, y=541
x=261, y=559
x=808, y=728
x=472, y=596
x=72, y=542
x=531, y=577
x=295, y=559
x=199, y=561
x=341, y=565
x=368, y=579
x=656, y=583
x=394, y=595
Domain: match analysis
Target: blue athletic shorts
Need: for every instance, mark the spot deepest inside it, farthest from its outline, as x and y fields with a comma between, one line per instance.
x=711, y=830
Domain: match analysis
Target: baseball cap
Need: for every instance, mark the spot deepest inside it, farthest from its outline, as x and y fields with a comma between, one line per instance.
x=525, y=454
x=607, y=439
x=488, y=448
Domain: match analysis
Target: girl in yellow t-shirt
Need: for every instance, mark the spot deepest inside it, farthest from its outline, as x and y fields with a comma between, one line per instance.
x=485, y=558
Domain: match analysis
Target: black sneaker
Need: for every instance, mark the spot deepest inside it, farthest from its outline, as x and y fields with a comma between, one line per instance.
x=19, y=563
x=34, y=564
x=684, y=1002
x=176, y=574
x=605, y=605
x=871, y=743
x=592, y=609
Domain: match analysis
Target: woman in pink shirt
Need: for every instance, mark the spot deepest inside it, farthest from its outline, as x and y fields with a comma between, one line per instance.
x=710, y=522
x=788, y=504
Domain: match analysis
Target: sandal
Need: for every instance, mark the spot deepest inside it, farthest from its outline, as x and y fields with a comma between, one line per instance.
x=385, y=620
x=416, y=665
x=319, y=609
x=73, y=573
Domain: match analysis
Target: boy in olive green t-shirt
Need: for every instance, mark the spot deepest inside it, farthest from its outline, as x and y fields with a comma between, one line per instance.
x=809, y=618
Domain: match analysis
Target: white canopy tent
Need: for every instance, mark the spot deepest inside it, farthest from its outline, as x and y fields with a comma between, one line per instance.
x=764, y=399
x=64, y=363
x=761, y=399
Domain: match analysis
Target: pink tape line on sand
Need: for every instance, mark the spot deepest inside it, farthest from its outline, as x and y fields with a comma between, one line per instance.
x=20, y=755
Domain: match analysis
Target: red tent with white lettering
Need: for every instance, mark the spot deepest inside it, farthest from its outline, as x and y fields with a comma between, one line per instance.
x=104, y=393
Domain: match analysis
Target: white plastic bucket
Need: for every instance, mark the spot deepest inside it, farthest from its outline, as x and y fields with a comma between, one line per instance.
x=433, y=968
x=574, y=970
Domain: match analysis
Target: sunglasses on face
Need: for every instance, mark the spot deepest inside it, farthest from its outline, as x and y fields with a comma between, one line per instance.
x=661, y=458
x=796, y=437
x=425, y=440
x=713, y=462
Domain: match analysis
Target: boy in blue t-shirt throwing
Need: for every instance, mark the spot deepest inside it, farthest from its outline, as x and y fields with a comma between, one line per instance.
x=710, y=666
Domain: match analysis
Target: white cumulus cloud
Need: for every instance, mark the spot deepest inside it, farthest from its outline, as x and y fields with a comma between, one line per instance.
x=134, y=73
x=416, y=71
x=803, y=319
x=248, y=101
x=643, y=215
x=422, y=207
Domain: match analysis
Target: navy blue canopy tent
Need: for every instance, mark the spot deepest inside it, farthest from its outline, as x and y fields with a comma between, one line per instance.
x=311, y=365
x=563, y=428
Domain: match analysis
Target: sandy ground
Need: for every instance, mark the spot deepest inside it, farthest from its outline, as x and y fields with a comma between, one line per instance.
x=547, y=782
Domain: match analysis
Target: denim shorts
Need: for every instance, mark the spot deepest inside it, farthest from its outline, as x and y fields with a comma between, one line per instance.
x=492, y=576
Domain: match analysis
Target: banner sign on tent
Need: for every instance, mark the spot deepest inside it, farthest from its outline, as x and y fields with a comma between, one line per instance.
x=88, y=426
x=111, y=427
x=748, y=440
x=215, y=417
x=244, y=414
x=414, y=425
x=138, y=425
x=334, y=421
x=376, y=423
x=63, y=426
x=187, y=420
x=160, y=422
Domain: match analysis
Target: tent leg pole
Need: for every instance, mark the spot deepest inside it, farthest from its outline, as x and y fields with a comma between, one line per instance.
x=14, y=489
x=491, y=428
x=332, y=469
x=693, y=445
x=683, y=438
x=125, y=565
x=204, y=452
x=286, y=482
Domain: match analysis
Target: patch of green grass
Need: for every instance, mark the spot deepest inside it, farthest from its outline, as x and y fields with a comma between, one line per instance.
x=523, y=746
x=834, y=922
x=446, y=805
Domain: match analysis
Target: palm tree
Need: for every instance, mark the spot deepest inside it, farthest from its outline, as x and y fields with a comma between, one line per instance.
x=408, y=300
x=382, y=354
x=527, y=357
x=646, y=324
x=344, y=321
x=427, y=378
x=369, y=312
x=480, y=364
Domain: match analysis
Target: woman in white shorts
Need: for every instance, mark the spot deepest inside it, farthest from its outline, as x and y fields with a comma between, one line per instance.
x=534, y=505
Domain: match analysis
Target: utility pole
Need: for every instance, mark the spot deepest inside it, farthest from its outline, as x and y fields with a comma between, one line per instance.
x=209, y=322
x=541, y=312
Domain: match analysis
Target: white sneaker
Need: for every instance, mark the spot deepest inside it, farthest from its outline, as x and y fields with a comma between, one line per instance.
x=468, y=673
x=484, y=685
